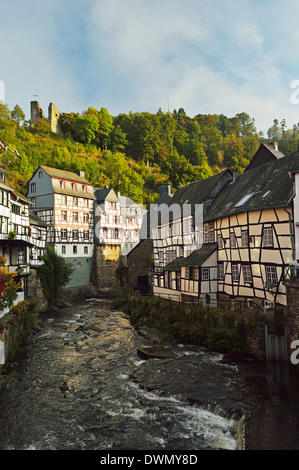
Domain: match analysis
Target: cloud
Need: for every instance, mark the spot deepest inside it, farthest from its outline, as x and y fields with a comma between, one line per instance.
x=206, y=57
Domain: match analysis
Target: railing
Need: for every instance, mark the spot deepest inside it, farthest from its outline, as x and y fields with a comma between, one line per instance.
x=292, y=272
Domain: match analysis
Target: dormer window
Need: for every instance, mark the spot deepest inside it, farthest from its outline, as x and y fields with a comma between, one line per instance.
x=84, y=187
x=62, y=184
x=74, y=187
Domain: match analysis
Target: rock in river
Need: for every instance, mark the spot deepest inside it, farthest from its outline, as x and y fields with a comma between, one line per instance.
x=155, y=352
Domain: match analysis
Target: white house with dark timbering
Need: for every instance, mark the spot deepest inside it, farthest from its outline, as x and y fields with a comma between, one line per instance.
x=17, y=235
x=249, y=238
x=64, y=200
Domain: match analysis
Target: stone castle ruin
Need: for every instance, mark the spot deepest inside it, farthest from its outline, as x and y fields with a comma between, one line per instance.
x=36, y=113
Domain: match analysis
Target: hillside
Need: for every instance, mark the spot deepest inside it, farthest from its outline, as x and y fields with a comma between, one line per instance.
x=134, y=153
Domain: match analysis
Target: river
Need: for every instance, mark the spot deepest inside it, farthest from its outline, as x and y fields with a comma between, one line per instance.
x=79, y=384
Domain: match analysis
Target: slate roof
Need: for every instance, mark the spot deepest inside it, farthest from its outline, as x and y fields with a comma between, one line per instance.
x=35, y=220
x=199, y=191
x=195, y=259
x=64, y=175
x=105, y=194
x=265, y=187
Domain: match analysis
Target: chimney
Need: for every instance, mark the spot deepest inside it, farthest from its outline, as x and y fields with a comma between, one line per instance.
x=80, y=173
x=165, y=189
x=275, y=145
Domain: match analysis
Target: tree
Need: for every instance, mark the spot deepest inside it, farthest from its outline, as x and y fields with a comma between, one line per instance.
x=8, y=286
x=17, y=114
x=86, y=128
x=54, y=273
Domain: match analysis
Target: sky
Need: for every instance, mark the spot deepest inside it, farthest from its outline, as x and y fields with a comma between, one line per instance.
x=208, y=57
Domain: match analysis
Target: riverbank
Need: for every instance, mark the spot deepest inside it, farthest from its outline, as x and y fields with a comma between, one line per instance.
x=226, y=332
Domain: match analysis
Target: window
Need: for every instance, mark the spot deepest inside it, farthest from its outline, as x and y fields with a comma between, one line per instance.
x=233, y=240
x=63, y=233
x=85, y=202
x=64, y=200
x=170, y=256
x=75, y=249
x=187, y=226
x=64, y=215
x=40, y=174
x=85, y=235
x=4, y=225
x=220, y=241
x=235, y=273
x=84, y=188
x=33, y=187
x=244, y=238
x=75, y=234
x=208, y=235
x=268, y=236
x=187, y=273
x=247, y=273
x=74, y=187
x=86, y=250
x=62, y=184
x=220, y=271
x=205, y=274
x=271, y=275
x=75, y=201
x=63, y=249
x=75, y=216
x=15, y=209
x=166, y=279
x=21, y=256
x=194, y=274
x=85, y=217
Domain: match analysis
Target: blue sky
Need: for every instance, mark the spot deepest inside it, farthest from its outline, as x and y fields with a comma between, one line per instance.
x=220, y=56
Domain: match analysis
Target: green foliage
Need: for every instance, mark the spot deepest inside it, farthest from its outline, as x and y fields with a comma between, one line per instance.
x=137, y=152
x=54, y=273
x=225, y=332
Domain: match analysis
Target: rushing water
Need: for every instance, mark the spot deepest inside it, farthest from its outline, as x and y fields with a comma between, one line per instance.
x=80, y=385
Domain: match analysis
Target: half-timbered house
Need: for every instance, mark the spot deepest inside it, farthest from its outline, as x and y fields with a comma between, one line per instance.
x=250, y=235
x=177, y=241
x=15, y=236
x=65, y=202
x=132, y=216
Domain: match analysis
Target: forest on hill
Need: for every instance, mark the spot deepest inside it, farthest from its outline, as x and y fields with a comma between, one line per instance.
x=135, y=153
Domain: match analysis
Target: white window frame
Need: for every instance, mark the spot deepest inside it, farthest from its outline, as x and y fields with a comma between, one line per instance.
x=271, y=275
x=268, y=236
x=247, y=274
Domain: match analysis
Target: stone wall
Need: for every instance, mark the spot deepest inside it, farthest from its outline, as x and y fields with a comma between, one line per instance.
x=35, y=292
x=139, y=261
x=104, y=276
x=53, y=118
x=53, y=115
x=292, y=311
x=36, y=112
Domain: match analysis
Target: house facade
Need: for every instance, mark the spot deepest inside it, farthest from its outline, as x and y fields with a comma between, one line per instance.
x=17, y=240
x=132, y=217
x=249, y=237
x=65, y=202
